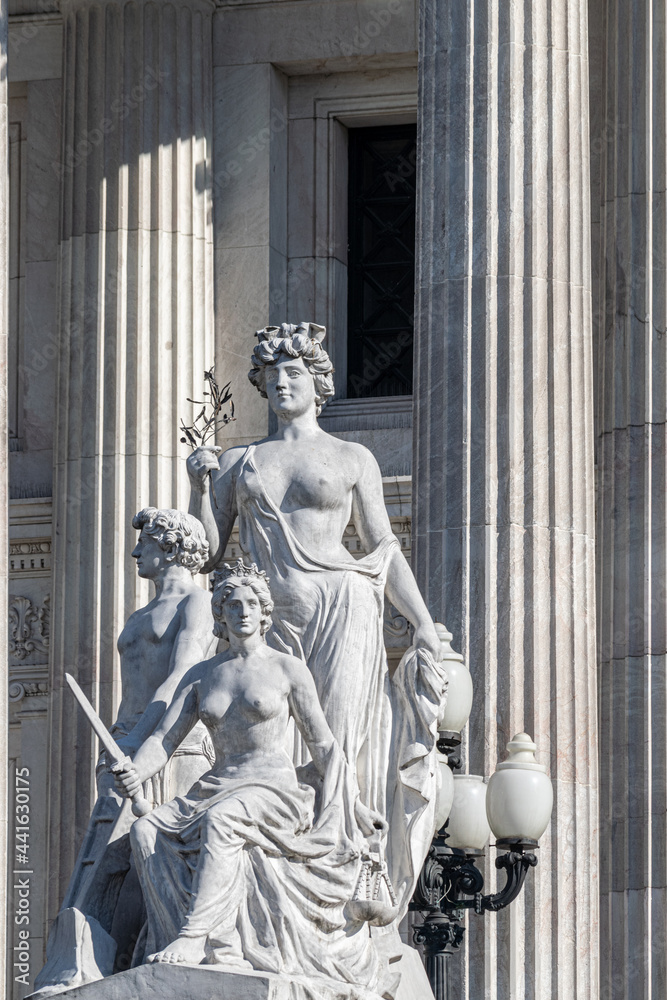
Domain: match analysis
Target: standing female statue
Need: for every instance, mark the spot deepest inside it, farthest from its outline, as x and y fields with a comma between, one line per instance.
x=294, y=494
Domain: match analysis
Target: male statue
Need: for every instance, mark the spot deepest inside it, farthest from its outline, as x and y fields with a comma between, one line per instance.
x=102, y=913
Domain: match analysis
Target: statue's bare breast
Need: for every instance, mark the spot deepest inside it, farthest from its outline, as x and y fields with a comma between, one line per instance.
x=243, y=713
x=312, y=484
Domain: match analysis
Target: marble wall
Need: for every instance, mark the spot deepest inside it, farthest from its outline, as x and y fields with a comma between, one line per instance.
x=630, y=267
x=34, y=133
x=34, y=111
x=288, y=83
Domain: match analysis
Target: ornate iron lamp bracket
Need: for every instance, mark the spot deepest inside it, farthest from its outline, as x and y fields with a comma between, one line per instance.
x=516, y=864
x=450, y=883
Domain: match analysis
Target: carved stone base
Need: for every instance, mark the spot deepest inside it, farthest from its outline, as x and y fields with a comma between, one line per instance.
x=200, y=982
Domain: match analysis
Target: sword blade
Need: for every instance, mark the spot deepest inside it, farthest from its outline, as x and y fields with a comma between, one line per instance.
x=114, y=754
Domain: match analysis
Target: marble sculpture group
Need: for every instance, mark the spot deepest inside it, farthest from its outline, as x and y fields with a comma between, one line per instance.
x=292, y=779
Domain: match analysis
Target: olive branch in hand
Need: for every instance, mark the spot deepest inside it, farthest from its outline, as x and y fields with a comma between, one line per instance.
x=205, y=424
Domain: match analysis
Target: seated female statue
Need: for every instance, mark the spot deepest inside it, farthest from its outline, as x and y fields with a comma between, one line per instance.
x=254, y=865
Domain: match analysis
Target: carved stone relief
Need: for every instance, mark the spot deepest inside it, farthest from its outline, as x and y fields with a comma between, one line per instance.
x=27, y=556
x=29, y=627
x=18, y=690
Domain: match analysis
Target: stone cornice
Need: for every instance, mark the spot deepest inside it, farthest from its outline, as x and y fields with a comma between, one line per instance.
x=70, y=6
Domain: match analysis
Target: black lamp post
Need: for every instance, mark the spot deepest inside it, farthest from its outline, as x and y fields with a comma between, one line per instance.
x=516, y=806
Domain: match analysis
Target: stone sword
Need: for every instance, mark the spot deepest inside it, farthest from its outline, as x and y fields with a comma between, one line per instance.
x=116, y=759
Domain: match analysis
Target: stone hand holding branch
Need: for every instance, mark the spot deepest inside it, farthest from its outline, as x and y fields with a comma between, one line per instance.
x=200, y=464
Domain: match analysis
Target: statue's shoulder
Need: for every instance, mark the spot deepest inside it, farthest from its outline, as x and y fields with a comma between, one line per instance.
x=295, y=669
x=348, y=450
x=355, y=457
x=197, y=598
x=194, y=675
x=232, y=457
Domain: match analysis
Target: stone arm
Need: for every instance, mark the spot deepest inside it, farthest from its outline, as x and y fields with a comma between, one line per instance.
x=217, y=518
x=192, y=644
x=180, y=717
x=372, y=523
x=307, y=712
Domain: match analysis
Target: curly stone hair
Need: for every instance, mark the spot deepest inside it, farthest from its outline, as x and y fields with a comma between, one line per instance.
x=239, y=575
x=173, y=527
x=303, y=340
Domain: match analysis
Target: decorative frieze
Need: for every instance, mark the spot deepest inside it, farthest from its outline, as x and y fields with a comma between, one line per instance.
x=18, y=690
x=29, y=627
x=30, y=557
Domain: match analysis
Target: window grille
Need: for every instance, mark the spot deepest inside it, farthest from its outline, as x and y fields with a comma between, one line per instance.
x=381, y=260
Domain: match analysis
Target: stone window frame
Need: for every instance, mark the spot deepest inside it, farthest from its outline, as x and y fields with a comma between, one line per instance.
x=320, y=111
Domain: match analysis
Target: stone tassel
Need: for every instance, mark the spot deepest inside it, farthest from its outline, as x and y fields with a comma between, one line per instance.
x=503, y=544
x=631, y=400
x=4, y=451
x=136, y=321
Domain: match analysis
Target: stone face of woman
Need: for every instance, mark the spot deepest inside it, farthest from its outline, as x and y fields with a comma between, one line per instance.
x=290, y=387
x=242, y=612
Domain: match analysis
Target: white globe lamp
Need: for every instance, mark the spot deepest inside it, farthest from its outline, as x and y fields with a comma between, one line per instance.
x=520, y=796
x=468, y=827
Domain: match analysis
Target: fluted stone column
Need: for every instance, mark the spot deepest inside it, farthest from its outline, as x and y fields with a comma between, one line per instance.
x=631, y=414
x=136, y=334
x=503, y=509
x=4, y=472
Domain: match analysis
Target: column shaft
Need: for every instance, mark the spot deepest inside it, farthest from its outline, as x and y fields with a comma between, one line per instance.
x=503, y=449
x=631, y=425
x=136, y=321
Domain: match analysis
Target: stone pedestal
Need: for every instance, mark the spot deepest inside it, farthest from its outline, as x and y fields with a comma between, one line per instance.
x=631, y=431
x=503, y=529
x=197, y=982
x=135, y=338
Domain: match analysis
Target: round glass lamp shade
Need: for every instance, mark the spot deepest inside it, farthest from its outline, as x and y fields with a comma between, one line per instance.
x=445, y=794
x=520, y=795
x=468, y=827
x=458, y=702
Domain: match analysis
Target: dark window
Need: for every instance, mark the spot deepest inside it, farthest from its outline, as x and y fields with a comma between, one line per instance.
x=381, y=260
